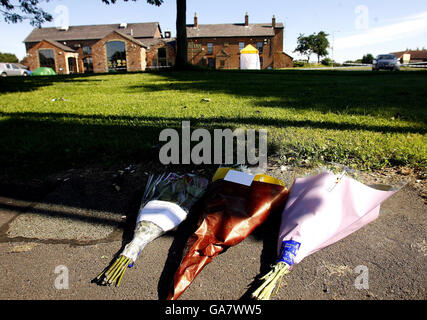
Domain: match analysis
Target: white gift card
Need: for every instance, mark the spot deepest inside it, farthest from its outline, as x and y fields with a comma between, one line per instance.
x=239, y=177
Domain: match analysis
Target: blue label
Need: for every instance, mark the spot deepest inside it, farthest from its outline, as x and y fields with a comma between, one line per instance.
x=288, y=251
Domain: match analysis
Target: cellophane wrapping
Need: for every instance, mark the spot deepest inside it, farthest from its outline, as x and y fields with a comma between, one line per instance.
x=165, y=204
x=229, y=213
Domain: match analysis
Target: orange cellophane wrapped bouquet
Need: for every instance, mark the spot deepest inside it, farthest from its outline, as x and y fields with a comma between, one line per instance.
x=234, y=204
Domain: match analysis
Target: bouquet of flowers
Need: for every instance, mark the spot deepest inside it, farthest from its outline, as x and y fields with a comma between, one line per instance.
x=320, y=211
x=165, y=204
x=234, y=204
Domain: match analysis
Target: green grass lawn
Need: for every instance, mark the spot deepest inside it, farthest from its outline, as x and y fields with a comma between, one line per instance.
x=361, y=119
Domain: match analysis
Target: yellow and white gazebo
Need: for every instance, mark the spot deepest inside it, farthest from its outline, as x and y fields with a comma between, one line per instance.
x=249, y=58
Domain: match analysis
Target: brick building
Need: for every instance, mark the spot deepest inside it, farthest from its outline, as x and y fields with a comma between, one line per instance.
x=137, y=46
x=218, y=45
x=99, y=48
x=411, y=56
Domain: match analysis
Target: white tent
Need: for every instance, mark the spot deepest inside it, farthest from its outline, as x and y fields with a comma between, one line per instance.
x=249, y=58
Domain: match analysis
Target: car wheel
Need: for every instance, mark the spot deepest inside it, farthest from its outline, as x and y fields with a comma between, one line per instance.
x=25, y=74
x=4, y=74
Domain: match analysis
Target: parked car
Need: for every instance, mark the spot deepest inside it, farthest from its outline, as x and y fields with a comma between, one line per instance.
x=13, y=69
x=387, y=62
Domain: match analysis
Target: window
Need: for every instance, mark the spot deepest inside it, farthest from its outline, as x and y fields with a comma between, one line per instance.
x=241, y=46
x=222, y=63
x=210, y=48
x=87, y=50
x=259, y=46
x=15, y=67
x=161, y=56
x=211, y=63
x=47, y=58
x=116, y=56
x=88, y=64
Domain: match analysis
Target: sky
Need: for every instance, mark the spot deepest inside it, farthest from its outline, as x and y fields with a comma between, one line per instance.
x=355, y=27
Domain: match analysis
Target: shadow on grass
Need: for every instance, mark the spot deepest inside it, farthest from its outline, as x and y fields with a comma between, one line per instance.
x=26, y=84
x=138, y=122
x=33, y=83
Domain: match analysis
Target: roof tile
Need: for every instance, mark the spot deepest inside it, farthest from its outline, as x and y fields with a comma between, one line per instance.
x=231, y=30
x=93, y=32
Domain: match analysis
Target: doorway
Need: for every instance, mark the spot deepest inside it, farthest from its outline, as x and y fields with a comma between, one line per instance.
x=72, y=65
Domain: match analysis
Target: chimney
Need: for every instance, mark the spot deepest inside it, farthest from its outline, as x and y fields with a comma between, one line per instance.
x=196, y=24
x=273, y=21
x=246, y=19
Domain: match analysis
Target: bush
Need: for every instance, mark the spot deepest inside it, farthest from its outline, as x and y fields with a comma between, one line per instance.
x=299, y=64
x=327, y=62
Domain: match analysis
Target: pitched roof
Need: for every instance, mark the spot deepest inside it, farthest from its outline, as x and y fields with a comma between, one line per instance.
x=59, y=45
x=232, y=30
x=89, y=32
x=129, y=37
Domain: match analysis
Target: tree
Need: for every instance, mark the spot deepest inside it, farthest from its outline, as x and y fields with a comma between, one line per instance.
x=181, y=29
x=368, y=59
x=305, y=45
x=320, y=45
x=181, y=34
x=8, y=57
x=314, y=43
x=24, y=10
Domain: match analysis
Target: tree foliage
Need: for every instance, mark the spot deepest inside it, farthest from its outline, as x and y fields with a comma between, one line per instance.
x=314, y=43
x=154, y=2
x=8, y=57
x=305, y=45
x=368, y=58
x=320, y=45
x=21, y=10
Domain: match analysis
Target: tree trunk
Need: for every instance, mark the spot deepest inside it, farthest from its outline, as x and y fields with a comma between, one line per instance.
x=181, y=34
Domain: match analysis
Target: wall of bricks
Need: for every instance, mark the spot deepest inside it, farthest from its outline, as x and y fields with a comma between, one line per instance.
x=226, y=54
x=77, y=45
x=33, y=57
x=152, y=53
x=135, y=54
